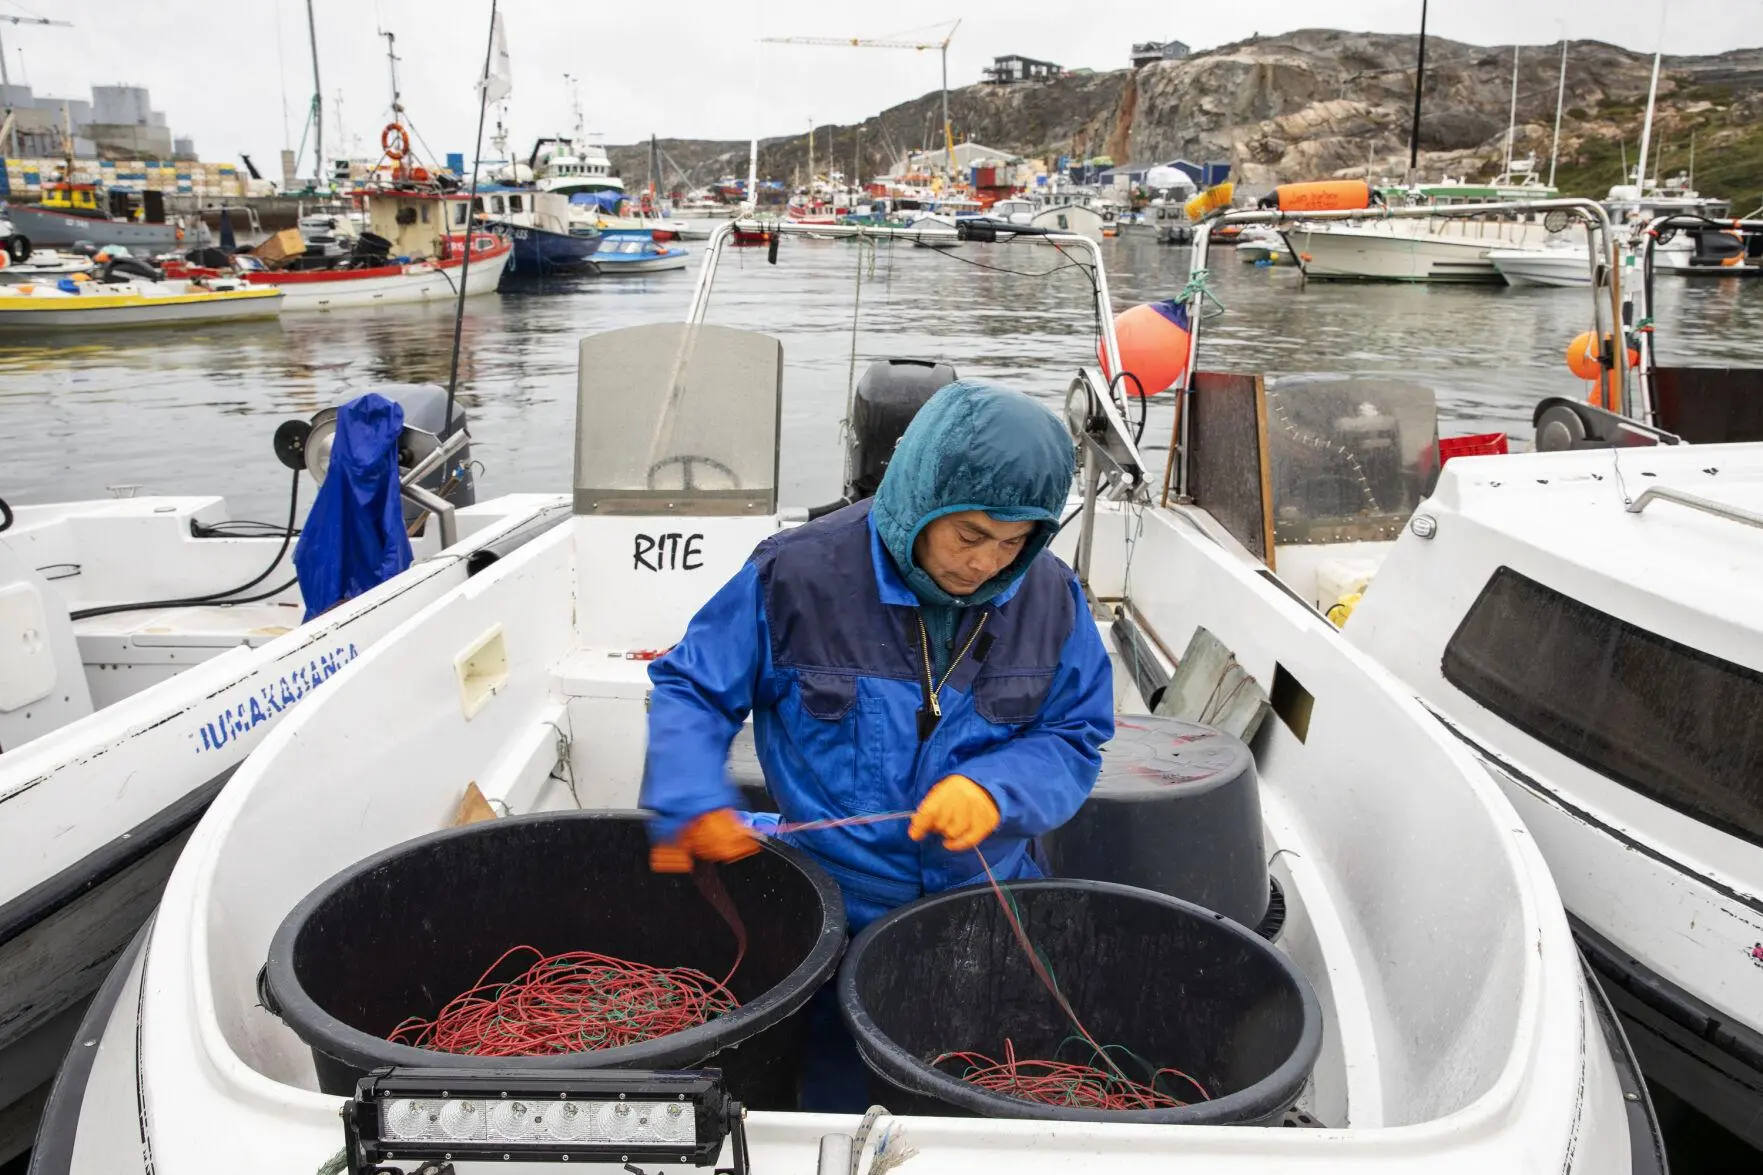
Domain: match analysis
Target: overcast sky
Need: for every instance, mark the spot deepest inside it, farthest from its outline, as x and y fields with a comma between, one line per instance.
x=236, y=75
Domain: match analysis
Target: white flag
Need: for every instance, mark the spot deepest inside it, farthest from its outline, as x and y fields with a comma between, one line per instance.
x=497, y=83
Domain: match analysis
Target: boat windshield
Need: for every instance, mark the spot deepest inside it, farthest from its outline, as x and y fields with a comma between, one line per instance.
x=1350, y=458
x=678, y=419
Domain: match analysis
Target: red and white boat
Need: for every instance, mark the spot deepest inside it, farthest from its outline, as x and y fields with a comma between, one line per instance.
x=413, y=251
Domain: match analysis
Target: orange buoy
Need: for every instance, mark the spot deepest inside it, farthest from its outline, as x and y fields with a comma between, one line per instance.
x=1320, y=196
x=1582, y=356
x=394, y=141
x=1153, y=342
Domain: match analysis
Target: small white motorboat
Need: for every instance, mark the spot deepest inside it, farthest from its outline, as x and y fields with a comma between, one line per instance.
x=634, y=251
x=1555, y=263
x=134, y=683
x=1459, y=1030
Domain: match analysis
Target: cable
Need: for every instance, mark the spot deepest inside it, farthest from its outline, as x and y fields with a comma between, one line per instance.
x=219, y=597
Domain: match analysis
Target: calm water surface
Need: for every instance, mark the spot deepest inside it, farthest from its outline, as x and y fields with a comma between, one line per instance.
x=192, y=411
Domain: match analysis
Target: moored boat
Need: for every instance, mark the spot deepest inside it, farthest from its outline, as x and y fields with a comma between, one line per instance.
x=152, y=642
x=90, y=305
x=629, y=251
x=413, y=251
x=1459, y=1030
x=70, y=213
x=538, y=225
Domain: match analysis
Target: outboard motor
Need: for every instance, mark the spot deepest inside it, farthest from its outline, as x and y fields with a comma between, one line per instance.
x=887, y=398
x=307, y=444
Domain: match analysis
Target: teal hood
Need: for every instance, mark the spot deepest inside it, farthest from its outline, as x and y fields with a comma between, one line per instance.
x=974, y=446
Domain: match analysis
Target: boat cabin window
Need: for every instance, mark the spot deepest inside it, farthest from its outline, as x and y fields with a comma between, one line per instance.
x=514, y=203
x=459, y=213
x=1674, y=723
x=677, y=419
x=425, y=213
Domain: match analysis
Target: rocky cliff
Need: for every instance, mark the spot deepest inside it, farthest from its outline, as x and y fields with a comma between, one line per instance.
x=1320, y=102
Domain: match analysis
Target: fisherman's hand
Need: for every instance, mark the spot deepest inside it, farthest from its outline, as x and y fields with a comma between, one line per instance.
x=957, y=809
x=714, y=836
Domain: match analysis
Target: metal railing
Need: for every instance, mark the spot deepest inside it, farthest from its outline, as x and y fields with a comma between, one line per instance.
x=1105, y=438
x=1694, y=502
x=1602, y=248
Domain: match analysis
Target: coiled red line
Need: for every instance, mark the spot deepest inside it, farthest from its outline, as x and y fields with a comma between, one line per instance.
x=569, y=1003
x=1057, y=1083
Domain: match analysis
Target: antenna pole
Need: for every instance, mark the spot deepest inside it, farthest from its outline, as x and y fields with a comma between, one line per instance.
x=477, y=145
x=392, y=60
x=1512, y=119
x=1419, y=81
x=1560, y=98
x=317, y=103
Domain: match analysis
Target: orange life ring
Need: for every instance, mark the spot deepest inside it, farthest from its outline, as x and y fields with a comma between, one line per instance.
x=395, y=142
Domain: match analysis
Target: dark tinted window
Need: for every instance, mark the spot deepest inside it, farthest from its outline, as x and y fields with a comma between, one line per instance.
x=1678, y=725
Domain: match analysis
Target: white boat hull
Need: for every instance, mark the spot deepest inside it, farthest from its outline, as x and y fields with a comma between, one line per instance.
x=1408, y=250
x=423, y=282
x=78, y=877
x=1542, y=267
x=1664, y=904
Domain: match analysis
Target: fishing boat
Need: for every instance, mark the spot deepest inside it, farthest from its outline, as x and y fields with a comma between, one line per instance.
x=1576, y=617
x=70, y=213
x=538, y=224
x=1081, y=219
x=630, y=251
x=135, y=677
x=413, y=251
x=93, y=305
x=1458, y=1029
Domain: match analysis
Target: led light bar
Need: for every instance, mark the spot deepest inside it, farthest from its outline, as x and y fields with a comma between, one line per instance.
x=538, y=1116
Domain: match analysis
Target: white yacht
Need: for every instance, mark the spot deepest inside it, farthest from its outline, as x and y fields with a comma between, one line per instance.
x=1458, y=1030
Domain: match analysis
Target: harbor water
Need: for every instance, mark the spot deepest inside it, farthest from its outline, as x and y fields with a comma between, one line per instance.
x=192, y=412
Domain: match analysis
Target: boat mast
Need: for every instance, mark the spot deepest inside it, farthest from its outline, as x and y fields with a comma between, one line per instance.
x=1560, y=97
x=1512, y=118
x=1640, y=175
x=392, y=62
x=317, y=113
x=811, y=165
x=1419, y=81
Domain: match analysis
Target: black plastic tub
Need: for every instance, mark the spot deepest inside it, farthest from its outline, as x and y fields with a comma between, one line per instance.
x=1178, y=985
x=401, y=933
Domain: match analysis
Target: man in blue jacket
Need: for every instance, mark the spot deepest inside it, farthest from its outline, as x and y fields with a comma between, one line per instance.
x=922, y=652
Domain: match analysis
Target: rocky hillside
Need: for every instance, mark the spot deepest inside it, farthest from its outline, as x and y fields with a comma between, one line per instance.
x=1065, y=116
x=1320, y=102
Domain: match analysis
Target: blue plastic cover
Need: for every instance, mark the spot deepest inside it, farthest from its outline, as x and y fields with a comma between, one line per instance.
x=354, y=536
x=608, y=200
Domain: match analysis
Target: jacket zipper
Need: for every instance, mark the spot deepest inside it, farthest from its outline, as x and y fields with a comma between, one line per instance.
x=932, y=711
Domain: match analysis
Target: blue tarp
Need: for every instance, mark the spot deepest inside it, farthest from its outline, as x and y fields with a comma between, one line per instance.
x=607, y=199
x=354, y=536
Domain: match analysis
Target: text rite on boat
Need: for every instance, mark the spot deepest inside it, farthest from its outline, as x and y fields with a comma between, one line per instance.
x=840, y=636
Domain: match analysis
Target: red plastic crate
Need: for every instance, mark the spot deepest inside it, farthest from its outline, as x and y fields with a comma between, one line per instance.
x=1482, y=444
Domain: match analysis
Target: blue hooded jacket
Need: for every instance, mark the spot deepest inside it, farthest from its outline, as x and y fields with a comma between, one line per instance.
x=817, y=637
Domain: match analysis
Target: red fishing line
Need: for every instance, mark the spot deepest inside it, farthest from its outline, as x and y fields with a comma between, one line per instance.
x=569, y=1003
x=1057, y=1083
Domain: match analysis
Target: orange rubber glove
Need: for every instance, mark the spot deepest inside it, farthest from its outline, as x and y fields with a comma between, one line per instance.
x=959, y=810
x=714, y=836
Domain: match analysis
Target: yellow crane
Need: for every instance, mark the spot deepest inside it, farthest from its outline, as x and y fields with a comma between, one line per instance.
x=941, y=46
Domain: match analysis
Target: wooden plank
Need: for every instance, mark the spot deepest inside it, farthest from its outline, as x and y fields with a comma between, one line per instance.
x=1266, y=472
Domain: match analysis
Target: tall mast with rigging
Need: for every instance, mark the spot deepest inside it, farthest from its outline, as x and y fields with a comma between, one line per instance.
x=317, y=112
x=1419, y=82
